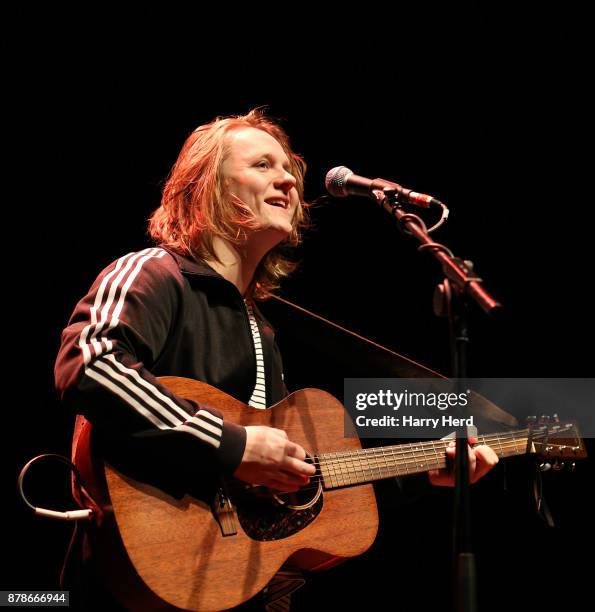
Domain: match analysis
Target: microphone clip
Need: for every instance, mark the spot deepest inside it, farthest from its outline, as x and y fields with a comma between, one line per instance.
x=392, y=199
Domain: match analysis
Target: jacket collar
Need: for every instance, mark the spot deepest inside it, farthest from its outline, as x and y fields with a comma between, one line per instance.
x=193, y=266
x=197, y=267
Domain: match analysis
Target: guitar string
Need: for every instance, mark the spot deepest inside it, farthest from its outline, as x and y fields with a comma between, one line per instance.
x=411, y=450
x=496, y=439
x=405, y=458
x=342, y=471
x=385, y=459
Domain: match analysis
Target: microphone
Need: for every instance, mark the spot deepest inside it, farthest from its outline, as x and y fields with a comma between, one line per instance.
x=342, y=182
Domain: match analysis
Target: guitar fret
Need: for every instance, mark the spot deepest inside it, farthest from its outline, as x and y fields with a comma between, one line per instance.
x=362, y=470
x=345, y=480
x=423, y=450
x=500, y=444
x=435, y=453
x=385, y=462
x=341, y=472
x=379, y=469
x=326, y=468
x=406, y=468
x=332, y=475
x=351, y=473
x=423, y=463
x=352, y=469
x=515, y=441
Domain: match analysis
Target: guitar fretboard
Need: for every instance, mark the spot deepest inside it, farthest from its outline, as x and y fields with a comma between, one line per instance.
x=346, y=468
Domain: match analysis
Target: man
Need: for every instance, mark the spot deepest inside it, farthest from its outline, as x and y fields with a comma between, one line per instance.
x=233, y=196
x=232, y=205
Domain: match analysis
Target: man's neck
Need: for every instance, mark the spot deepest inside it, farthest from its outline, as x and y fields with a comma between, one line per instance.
x=238, y=264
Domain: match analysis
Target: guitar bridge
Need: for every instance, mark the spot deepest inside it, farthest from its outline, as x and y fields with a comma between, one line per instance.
x=225, y=513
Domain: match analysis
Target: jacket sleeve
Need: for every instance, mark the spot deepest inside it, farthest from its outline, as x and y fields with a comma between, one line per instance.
x=117, y=331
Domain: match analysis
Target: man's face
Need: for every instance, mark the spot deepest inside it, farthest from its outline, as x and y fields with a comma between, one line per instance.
x=257, y=171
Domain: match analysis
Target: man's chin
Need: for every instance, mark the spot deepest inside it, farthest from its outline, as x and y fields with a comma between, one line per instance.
x=282, y=230
x=272, y=234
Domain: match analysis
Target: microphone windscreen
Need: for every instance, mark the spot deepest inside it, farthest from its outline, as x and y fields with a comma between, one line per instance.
x=335, y=181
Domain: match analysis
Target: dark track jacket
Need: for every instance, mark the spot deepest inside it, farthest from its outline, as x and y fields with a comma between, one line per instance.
x=156, y=313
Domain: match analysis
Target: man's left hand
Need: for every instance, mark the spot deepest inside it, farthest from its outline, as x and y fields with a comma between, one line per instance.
x=481, y=460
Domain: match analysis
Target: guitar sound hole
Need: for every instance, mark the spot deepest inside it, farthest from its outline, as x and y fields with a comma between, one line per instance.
x=266, y=516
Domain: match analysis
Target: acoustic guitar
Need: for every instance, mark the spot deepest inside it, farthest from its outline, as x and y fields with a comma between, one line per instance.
x=215, y=547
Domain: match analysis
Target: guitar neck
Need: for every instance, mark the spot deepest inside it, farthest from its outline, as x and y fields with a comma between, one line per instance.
x=340, y=469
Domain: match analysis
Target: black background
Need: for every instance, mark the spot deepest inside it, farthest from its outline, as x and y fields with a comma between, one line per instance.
x=486, y=109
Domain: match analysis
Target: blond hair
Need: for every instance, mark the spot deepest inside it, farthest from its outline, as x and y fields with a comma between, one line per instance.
x=194, y=207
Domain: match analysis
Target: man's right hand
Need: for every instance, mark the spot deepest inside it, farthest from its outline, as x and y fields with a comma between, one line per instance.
x=272, y=460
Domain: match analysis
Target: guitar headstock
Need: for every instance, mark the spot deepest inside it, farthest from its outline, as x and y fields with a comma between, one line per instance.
x=556, y=440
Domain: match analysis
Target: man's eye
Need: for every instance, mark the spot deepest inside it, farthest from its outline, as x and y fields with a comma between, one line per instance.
x=263, y=164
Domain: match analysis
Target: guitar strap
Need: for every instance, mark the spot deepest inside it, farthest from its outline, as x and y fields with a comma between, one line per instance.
x=355, y=353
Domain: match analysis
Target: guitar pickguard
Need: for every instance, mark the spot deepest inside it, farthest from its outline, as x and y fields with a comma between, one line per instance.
x=264, y=518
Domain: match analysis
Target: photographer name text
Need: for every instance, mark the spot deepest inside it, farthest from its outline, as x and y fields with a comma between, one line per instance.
x=409, y=421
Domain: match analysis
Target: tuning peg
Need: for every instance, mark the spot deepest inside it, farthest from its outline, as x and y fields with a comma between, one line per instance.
x=558, y=466
x=531, y=420
x=572, y=466
x=544, y=467
x=556, y=418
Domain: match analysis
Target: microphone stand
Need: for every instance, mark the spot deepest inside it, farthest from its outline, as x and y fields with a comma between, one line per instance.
x=451, y=299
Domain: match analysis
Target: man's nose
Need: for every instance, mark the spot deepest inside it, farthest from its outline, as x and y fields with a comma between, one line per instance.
x=285, y=181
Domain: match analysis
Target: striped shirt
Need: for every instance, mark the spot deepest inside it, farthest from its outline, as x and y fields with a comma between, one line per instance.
x=258, y=397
